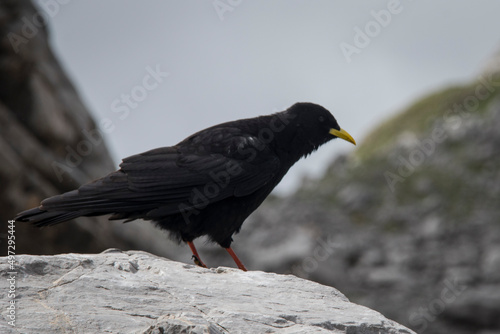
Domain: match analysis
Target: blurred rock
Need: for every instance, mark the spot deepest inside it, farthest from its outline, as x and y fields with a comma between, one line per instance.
x=49, y=143
x=478, y=308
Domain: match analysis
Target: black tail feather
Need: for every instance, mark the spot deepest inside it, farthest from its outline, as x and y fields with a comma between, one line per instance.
x=41, y=217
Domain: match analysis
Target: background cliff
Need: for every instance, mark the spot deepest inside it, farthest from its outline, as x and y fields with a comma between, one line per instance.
x=48, y=141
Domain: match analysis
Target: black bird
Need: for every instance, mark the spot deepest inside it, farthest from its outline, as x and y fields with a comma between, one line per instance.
x=207, y=184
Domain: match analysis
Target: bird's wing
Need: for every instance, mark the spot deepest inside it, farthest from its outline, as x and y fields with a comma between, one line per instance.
x=206, y=168
x=209, y=166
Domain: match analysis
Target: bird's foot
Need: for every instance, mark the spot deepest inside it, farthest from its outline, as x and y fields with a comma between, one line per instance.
x=198, y=262
x=196, y=257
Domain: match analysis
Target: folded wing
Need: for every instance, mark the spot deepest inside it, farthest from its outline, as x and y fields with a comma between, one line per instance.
x=220, y=163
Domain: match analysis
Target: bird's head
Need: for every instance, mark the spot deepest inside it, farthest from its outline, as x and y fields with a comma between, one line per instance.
x=313, y=126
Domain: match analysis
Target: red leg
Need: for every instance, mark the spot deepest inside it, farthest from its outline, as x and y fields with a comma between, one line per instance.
x=235, y=258
x=196, y=257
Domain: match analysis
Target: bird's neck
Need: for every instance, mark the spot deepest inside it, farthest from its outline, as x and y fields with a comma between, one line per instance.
x=289, y=142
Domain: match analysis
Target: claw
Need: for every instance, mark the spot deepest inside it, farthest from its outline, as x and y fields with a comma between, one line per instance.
x=196, y=257
x=198, y=262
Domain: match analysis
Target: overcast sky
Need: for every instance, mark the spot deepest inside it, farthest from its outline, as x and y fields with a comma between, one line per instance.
x=215, y=61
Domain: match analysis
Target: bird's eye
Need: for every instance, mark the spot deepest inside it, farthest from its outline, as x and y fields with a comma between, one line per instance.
x=321, y=119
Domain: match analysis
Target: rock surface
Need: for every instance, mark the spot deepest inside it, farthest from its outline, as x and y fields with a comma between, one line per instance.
x=136, y=292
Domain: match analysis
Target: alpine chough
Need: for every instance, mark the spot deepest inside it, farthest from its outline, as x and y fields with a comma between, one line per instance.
x=207, y=184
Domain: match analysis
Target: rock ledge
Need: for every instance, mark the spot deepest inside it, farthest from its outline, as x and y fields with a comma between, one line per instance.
x=136, y=292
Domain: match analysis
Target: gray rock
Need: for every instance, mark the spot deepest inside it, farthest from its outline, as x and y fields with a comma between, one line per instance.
x=136, y=292
x=479, y=307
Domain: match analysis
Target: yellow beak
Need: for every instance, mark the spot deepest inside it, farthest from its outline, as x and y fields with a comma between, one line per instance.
x=343, y=135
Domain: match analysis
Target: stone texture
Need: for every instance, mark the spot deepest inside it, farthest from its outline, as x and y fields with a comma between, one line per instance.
x=136, y=292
